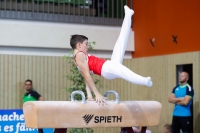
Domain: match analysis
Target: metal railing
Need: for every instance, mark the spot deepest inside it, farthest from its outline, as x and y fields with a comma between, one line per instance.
x=99, y=12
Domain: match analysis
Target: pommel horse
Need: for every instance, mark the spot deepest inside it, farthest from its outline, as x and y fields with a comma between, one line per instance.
x=88, y=114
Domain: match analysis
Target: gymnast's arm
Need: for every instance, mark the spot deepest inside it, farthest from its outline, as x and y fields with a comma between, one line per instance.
x=83, y=65
x=88, y=90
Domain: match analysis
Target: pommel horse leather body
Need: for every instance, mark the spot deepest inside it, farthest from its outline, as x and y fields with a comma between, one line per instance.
x=76, y=114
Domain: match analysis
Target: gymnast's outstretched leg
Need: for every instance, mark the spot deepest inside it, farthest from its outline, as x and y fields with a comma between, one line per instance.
x=121, y=43
x=114, y=68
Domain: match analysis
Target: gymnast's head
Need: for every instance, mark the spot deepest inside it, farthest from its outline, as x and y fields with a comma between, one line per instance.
x=79, y=42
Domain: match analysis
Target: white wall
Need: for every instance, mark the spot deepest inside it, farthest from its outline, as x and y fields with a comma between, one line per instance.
x=31, y=34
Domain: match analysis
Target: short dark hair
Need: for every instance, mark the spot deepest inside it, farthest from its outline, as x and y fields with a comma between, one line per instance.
x=168, y=127
x=28, y=80
x=77, y=39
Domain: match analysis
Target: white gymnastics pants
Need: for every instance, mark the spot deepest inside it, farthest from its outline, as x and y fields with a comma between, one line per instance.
x=113, y=68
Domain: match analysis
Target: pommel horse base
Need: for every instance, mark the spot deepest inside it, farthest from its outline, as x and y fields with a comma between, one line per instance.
x=88, y=114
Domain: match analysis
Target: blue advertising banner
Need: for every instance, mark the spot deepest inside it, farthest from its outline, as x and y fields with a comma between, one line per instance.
x=12, y=121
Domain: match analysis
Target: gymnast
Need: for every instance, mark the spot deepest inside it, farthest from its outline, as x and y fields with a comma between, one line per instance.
x=110, y=69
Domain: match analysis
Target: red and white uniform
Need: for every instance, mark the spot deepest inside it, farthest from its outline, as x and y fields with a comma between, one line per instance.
x=113, y=68
x=95, y=64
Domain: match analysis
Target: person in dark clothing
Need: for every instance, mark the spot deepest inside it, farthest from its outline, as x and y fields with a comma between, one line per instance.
x=31, y=95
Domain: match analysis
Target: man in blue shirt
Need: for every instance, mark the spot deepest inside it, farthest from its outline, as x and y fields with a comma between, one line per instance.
x=182, y=96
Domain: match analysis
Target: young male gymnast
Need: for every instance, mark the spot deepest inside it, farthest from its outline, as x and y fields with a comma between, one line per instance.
x=109, y=69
